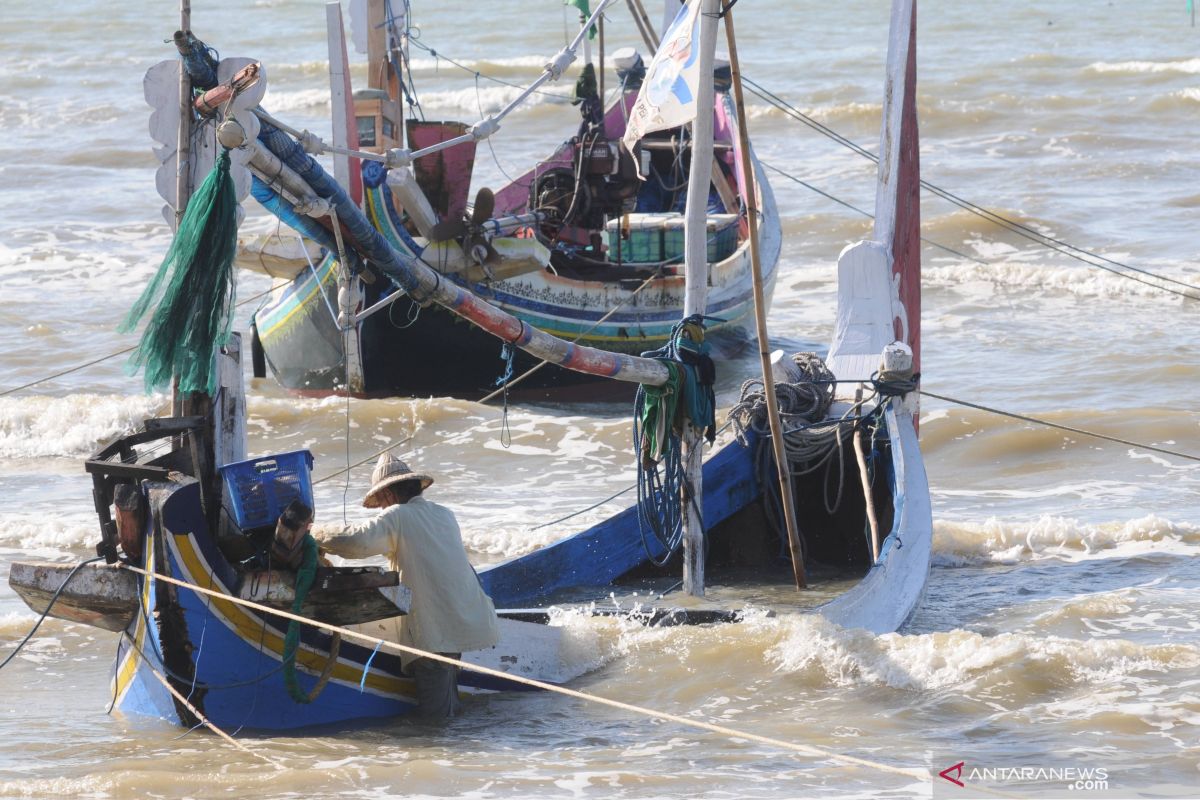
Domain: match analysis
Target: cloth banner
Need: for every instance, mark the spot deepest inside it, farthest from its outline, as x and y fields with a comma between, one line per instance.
x=668, y=95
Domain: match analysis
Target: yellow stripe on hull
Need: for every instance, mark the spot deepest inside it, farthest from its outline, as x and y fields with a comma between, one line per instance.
x=254, y=629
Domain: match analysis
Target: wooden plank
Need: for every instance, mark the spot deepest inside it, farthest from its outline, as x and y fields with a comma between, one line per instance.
x=346, y=170
x=229, y=408
x=97, y=595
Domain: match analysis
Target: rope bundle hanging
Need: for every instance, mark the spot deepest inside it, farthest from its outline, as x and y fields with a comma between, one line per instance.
x=658, y=419
x=811, y=439
x=194, y=291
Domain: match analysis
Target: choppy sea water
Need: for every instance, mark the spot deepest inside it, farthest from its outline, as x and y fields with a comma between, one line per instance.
x=1060, y=625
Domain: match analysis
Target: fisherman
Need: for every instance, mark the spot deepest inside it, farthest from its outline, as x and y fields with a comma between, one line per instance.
x=450, y=612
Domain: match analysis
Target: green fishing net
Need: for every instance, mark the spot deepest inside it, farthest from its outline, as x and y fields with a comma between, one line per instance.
x=194, y=291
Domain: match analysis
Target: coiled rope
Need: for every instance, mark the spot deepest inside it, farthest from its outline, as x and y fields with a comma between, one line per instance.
x=811, y=440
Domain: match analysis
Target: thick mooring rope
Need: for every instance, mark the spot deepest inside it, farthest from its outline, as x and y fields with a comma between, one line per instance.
x=732, y=733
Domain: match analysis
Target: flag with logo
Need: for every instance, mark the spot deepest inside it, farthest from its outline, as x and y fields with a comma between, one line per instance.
x=667, y=98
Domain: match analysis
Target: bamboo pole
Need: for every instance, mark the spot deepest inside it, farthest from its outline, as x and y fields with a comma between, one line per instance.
x=183, y=165
x=760, y=315
x=864, y=476
x=695, y=227
x=645, y=22
x=600, y=66
x=637, y=21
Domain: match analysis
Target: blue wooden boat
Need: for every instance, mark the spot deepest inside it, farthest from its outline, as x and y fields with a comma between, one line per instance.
x=596, y=259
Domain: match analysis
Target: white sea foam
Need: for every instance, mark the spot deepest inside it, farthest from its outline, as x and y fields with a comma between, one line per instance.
x=303, y=100
x=1078, y=280
x=532, y=63
x=1190, y=66
x=487, y=99
x=38, y=426
x=16, y=624
x=1000, y=542
x=825, y=653
x=42, y=535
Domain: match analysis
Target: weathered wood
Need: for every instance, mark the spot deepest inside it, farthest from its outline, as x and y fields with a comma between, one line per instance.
x=130, y=518
x=346, y=170
x=98, y=594
x=864, y=476
x=183, y=162
x=229, y=408
x=339, y=596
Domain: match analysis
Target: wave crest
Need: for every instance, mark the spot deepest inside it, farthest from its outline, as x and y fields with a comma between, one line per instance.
x=995, y=541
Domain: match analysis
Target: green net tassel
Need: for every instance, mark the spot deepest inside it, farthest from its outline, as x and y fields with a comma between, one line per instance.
x=304, y=581
x=195, y=310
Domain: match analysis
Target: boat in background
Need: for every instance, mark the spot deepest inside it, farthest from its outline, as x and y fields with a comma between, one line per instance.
x=182, y=518
x=579, y=246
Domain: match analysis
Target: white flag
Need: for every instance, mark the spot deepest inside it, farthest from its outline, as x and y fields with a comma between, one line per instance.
x=667, y=98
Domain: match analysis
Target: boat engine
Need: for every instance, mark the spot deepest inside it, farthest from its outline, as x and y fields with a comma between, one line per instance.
x=602, y=183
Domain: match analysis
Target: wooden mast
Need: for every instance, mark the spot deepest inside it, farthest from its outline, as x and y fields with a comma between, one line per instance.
x=783, y=471
x=183, y=166
x=695, y=226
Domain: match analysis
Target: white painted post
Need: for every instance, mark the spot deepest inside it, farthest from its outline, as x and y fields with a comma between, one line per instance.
x=695, y=226
x=587, y=39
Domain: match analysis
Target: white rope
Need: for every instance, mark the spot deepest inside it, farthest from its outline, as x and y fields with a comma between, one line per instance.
x=732, y=733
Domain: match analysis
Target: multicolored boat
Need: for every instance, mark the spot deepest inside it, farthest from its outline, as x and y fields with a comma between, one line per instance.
x=580, y=246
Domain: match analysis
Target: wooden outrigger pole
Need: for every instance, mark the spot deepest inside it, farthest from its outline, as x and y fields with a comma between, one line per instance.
x=760, y=315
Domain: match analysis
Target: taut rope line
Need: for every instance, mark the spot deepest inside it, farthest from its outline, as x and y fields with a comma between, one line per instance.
x=93, y=362
x=803, y=749
x=205, y=720
x=1067, y=428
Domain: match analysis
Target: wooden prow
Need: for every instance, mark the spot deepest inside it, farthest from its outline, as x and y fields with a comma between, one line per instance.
x=879, y=281
x=898, y=199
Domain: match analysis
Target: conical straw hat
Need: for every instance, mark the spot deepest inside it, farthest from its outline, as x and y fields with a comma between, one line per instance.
x=391, y=470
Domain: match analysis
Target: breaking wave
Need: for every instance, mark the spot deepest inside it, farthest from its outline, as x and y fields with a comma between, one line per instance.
x=1080, y=281
x=996, y=541
x=821, y=653
x=39, y=427
x=1190, y=66
x=46, y=535
x=488, y=99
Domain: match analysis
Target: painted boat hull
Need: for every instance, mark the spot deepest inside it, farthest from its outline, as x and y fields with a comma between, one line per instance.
x=881, y=602
x=225, y=658
x=406, y=349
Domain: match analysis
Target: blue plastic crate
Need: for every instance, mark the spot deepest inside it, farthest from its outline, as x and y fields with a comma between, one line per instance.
x=260, y=488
